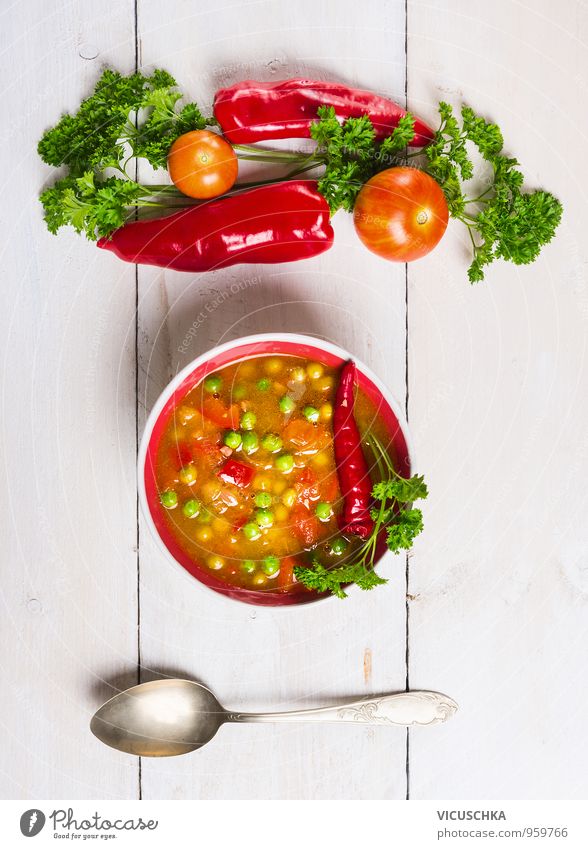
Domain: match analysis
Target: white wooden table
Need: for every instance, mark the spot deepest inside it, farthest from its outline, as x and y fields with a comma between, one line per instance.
x=491, y=606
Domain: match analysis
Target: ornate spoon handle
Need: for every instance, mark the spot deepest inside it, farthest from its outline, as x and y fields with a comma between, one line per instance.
x=418, y=707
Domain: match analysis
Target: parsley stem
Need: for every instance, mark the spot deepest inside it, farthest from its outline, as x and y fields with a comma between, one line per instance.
x=252, y=148
x=483, y=195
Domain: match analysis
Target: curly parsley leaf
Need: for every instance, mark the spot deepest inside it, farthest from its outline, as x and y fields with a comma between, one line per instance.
x=94, y=208
x=504, y=221
x=155, y=136
x=94, y=138
x=401, y=533
x=321, y=579
x=351, y=154
x=401, y=489
x=125, y=116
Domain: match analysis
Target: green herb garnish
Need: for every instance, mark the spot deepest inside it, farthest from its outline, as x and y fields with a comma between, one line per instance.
x=126, y=117
x=351, y=155
x=393, y=515
x=504, y=222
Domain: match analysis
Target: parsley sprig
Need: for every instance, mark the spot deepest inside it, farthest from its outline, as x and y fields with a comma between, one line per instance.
x=393, y=515
x=125, y=117
x=351, y=155
x=504, y=222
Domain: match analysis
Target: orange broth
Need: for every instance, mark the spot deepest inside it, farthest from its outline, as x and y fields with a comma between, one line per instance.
x=272, y=416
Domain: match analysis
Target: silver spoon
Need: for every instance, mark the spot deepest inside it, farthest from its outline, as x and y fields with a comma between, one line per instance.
x=172, y=716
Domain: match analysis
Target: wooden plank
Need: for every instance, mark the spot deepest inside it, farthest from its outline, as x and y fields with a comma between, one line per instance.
x=262, y=658
x=68, y=429
x=499, y=580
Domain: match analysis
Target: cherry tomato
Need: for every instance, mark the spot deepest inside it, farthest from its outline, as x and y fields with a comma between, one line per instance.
x=202, y=164
x=401, y=214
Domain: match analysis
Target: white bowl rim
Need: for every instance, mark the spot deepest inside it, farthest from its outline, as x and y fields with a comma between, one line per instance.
x=297, y=338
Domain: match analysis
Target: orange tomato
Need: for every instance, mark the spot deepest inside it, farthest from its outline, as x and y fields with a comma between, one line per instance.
x=202, y=164
x=401, y=214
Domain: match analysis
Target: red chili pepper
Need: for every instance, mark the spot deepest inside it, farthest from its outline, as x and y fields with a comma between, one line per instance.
x=236, y=473
x=352, y=468
x=282, y=222
x=251, y=111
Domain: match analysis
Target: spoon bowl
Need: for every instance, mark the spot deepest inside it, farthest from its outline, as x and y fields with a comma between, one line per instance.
x=173, y=716
x=159, y=718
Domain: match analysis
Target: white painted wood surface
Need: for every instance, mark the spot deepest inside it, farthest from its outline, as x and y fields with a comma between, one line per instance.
x=498, y=584
x=499, y=411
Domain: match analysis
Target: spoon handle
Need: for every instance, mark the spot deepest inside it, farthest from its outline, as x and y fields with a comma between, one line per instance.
x=418, y=707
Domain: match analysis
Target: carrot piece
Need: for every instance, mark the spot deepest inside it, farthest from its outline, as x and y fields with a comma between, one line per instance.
x=300, y=433
x=219, y=414
x=306, y=525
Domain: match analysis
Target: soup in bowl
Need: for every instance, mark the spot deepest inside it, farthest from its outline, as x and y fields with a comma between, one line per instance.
x=237, y=472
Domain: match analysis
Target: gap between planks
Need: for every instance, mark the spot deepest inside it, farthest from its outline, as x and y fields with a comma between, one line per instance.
x=137, y=537
x=406, y=398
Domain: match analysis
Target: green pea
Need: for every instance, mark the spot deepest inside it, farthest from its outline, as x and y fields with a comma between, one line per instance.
x=271, y=442
x=248, y=420
x=263, y=499
x=169, y=499
x=213, y=383
x=251, y=531
x=311, y=414
x=248, y=566
x=250, y=442
x=287, y=405
x=338, y=545
x=264, y=384
x=232, y=439
x=270, y=564
x=323, y=511
x=191, y=508
x=284, y=463
x=239, y=392
x=205, y=517
x=264, y=518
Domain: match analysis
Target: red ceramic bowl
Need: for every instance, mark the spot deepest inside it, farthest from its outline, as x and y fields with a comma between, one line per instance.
x=291, y=344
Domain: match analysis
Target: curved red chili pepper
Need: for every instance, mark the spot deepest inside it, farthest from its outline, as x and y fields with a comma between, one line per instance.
x=277, y=223
x=251, y=111
x=352, y=468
